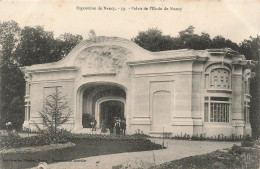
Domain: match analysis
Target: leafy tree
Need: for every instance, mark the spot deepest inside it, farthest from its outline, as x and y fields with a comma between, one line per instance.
x=154, y=40
x=53, y=113
x=250, y=48
x=221, y=42
x=24, y=47
x=11, y=78
x=66, y=42
x=35, y=47
x=38, y=46
x=194, y=41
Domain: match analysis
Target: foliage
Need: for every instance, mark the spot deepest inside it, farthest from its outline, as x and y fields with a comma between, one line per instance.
x=247, y=141
x=39, y=46
x=35, y=46
x=154, y=40
x=100, y=137
x=66, y=42
x=11, y=78
x=84, y=148
x=24, y=47
x=219, y=137
x=53, y=113
x=236, y=157
x=15, y=141
x=86, y=120
x=250, y=48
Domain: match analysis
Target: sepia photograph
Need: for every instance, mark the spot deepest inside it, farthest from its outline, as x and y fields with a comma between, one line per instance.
x=130, y=84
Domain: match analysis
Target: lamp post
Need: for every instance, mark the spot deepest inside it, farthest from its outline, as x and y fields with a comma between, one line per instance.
x=163, y=137
x=258, y=85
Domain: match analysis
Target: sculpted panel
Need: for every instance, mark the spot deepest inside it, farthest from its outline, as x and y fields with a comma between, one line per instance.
x=101, y=59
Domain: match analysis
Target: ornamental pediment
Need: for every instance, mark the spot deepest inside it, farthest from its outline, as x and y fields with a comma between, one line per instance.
x=101, y=59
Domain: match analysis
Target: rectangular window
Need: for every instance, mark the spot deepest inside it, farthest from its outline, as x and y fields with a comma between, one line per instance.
x=206, y=112
x=218, y=108
x=27, y=111
x=219, y=112
x=246, y=112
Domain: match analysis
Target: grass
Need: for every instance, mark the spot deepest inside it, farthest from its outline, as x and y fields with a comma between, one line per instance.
x=86, y=146
x=234, y=158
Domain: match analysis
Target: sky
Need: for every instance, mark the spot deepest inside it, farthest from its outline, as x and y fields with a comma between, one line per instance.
x=236, y=19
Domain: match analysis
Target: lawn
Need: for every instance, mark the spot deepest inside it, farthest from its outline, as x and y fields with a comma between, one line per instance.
x=234, y=158
x=86, y=146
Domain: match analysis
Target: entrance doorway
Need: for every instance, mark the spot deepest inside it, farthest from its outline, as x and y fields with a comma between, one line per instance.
x=111, y=110
x=102, y=102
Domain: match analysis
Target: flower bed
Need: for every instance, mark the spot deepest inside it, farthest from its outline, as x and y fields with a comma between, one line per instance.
x=236, y=157
x=202, y=137
x=37, y=148
x=15, y=141
x=86, y=145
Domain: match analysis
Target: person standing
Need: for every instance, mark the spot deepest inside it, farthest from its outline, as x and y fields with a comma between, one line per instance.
x=95, y=124
x=123, y=127
x=117, y=126
x=111, y=127
x=103, y=127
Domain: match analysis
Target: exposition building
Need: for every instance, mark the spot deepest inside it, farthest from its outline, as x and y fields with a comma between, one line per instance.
x=177, y=91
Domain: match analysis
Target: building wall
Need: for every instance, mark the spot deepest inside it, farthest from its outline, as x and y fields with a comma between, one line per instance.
x=161, y=95
x=43, y=85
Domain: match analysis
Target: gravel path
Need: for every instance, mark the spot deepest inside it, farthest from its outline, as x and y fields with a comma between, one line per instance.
x=176, y=149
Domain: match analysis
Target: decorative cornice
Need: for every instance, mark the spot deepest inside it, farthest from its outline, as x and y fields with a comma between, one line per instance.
x=165, y=60
x=245, y=63
x=58, y=69
x=99, y=74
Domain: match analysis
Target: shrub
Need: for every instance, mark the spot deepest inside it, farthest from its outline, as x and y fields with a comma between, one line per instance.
x=45, y=138
x=86, y=120
x=236, y=150
x=247, y=141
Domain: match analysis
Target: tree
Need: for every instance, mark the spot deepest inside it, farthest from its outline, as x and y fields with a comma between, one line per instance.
x=36, y=46
x=66, y=42
x=154, y=40
x=11, y=78
x=221, y=42
x=25, y=47
x=250, y=48
x=53, y=114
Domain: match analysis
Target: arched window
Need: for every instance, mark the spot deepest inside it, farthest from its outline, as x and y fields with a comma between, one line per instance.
x=218, y=77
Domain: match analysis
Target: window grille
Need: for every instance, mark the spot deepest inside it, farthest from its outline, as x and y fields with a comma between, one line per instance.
x=219, y=78
x=216, y=109
x=27, y=110
x=246, y=112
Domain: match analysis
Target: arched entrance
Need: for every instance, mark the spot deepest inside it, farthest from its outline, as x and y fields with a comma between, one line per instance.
x=109, y=110
x=102, y=102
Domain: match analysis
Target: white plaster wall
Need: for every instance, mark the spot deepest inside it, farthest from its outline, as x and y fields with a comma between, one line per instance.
x=37, y=95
